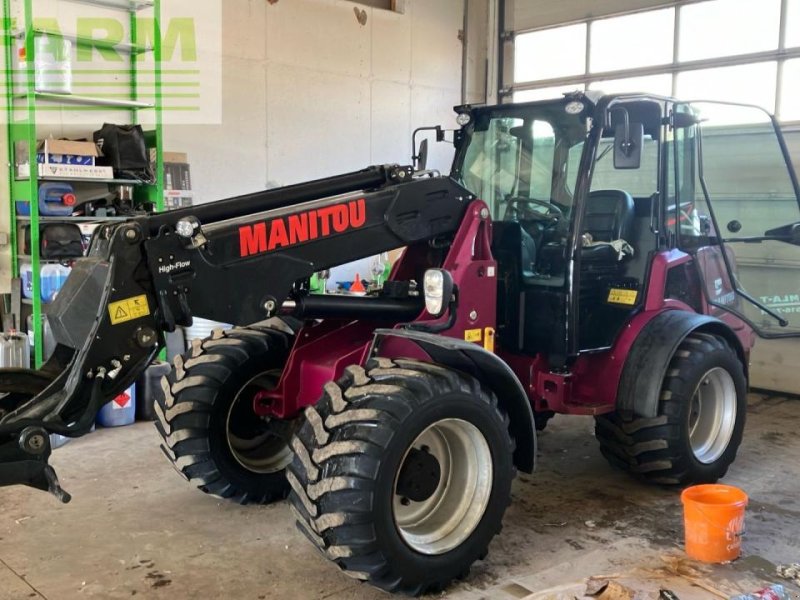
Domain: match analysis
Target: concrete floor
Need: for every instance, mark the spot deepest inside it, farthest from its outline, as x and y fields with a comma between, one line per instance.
x=134, y=528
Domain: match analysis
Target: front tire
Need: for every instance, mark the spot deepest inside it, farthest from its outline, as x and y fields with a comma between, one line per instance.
x=700, y=422
x=210, y=433
x=402, y=474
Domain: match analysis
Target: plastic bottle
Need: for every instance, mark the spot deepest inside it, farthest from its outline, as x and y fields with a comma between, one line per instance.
x=387, y=267
x=63, y=275
x=49, y=278
x=19, y=349
x=26, y=275
x=53, y=279
x=120, y=411
x=14, y=351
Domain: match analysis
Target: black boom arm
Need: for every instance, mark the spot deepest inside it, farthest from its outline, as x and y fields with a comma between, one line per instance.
x=235, y=260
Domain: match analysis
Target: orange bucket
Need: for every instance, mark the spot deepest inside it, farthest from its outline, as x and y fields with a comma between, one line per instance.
x=713, y=516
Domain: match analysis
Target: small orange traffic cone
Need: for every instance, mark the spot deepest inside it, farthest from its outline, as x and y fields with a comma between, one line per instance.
x=357, y=287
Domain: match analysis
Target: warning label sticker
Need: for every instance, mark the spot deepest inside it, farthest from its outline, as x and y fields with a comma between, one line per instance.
x=620, y=296
x=473, y=335
x=128, y=309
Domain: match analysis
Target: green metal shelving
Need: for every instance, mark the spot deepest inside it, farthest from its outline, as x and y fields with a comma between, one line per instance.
x=23, y=100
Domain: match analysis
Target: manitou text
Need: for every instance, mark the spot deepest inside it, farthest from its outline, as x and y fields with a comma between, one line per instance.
x=303, y=227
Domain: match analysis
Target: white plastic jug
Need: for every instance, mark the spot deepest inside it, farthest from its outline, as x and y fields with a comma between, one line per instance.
x=14, y=351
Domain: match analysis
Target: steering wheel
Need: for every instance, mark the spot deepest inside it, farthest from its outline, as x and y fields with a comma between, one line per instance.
x=514, y=210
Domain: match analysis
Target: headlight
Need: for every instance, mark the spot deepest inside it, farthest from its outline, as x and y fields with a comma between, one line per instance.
x=463, y=119
x=438, y=289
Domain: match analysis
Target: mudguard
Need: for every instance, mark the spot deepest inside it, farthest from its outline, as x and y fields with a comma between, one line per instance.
x=489, y=370
x=650, y=355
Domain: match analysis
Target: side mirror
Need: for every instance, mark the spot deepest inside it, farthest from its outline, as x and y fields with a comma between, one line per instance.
x=422, y=156
x=787, y=233
x=628, y=143
x=682, y=120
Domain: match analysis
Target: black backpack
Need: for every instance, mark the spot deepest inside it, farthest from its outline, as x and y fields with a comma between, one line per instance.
x=125, y=150
x=56, y=241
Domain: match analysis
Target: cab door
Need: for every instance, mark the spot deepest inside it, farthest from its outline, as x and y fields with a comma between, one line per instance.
x=743, y=218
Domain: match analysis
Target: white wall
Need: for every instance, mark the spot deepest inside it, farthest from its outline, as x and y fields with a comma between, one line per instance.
x=309, y=92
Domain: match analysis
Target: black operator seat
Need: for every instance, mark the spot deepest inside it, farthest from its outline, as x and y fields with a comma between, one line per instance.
x=608, y=218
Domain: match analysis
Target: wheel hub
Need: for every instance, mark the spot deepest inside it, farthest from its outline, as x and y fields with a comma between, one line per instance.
x=712, y=416
x=260, y=445
x=419, y=476
x=442, y=488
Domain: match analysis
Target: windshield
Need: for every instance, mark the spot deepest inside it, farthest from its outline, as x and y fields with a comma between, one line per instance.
x=521, y=151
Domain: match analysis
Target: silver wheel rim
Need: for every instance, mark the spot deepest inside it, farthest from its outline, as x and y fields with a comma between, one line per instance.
x=449, y=516
x=712, y=416
x=268, y=452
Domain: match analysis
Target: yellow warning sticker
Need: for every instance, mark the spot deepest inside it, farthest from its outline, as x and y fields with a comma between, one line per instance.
x=618, y=296
x=128, y=309
x=473, y=335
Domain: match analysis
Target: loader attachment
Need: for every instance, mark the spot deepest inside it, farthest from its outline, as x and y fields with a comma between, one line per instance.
x=104, y=326
x=237, y=261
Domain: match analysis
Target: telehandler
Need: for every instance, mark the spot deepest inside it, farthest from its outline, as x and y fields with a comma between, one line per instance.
x=585, y=255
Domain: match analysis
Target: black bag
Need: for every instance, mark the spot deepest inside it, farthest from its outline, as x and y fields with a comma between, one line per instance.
x=56, y=241
x=125, y=150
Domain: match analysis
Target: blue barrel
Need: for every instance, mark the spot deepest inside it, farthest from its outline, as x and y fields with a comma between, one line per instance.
x=120, y=411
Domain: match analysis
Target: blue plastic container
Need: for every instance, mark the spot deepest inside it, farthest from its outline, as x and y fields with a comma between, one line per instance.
x=23, y=208
x=53, y=278
x=120, y=411
x=26, y=275
x=56, y=200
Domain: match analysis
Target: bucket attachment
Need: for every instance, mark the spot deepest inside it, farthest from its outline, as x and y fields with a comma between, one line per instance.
x=104, y=325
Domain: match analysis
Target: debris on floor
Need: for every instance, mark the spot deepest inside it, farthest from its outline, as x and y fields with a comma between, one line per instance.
x=603, y=589
x=790, y=572
x=773, y=592
x=666, y=577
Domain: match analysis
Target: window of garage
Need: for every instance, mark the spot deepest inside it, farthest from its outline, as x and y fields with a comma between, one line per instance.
x=702, y=49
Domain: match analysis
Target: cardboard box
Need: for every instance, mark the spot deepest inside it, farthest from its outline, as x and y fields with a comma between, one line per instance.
x=62, y=158
x=67, y=171
x=67, y=152
x=170, y=157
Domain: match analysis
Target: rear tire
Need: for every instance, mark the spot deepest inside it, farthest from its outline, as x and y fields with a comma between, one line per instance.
x=402, y=474
x=210, y=433
x=701, y=417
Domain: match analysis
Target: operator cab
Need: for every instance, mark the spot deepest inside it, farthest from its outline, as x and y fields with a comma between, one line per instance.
x=531, y=163
x=586, y=190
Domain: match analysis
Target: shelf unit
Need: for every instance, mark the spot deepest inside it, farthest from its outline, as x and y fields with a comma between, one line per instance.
x=23, y=100
x=78, y=40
